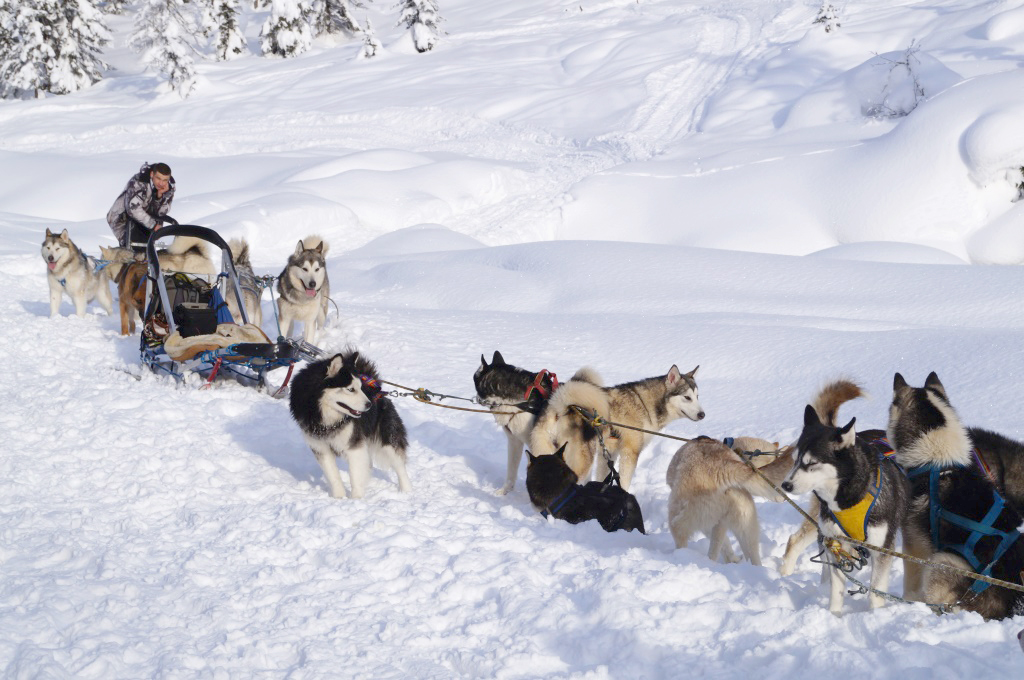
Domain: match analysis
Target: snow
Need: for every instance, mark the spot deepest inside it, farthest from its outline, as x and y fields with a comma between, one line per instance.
x=618, y=183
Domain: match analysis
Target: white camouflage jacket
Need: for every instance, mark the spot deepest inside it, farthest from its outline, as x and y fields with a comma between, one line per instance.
x=139, y=202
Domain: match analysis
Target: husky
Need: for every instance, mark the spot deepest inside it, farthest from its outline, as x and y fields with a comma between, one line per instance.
x=649, y=404
x=516, y=396
x=554, y=490
x=247, y=282
x=711, y=490
x=71, y=271
x=957, y=516
x=341, y=410
x=303, y=288
x=861, y=493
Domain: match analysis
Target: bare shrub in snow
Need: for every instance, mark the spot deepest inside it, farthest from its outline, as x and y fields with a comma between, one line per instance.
x=902, y=91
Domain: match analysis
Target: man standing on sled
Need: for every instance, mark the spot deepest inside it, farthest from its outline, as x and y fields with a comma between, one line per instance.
x=137, y=212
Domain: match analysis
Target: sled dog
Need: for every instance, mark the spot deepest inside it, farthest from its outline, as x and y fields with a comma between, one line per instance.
x=190, y=255
x=711, y=490
x=507, y=389
x=338, y=405
x=303, y=288
x=69, y=270
x=861, y=493
x=650, y=404
x=957, y=516
x=247, y=282
x=554, y=490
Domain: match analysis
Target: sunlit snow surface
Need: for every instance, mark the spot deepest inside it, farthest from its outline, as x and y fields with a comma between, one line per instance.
x=569, y=186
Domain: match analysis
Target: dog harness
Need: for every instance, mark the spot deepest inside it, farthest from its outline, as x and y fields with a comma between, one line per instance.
x=91, y=264
x=854, y=519
x=371, y=385
x=538, y=385
x=977, y=530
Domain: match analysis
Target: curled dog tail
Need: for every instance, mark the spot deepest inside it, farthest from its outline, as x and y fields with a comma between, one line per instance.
x=556, y=424
x=588, y=375
x=182, y=244
x=239, y=248
x=312, y=241
x=832, y=396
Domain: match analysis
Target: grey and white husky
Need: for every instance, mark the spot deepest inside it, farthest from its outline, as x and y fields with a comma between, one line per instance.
x=72, y=272
x=339, y=406
x=861, y=493
x=957, y=515
x=251, y=290
x=508, y=389
x=303, y=289
x=649, y=404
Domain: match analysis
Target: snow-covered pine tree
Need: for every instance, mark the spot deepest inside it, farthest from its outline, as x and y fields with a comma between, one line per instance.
x=370, y=43
x=220, y=18
x=49, y=46
x=334, y=16
x=422, y=18
x=287, y=32
x=162, y=35
x=828, y=16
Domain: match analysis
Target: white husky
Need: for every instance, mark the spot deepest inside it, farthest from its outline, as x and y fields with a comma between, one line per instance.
x=71, y=271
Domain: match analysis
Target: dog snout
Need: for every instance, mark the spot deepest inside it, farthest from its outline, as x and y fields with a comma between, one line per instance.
x=700, y=415
x=787, y=487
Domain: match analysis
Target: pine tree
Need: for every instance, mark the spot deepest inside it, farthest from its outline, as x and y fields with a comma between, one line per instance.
x=333, y=16
x=287, y=32
x=422, y=18
x=371, y=46
x=161, y=34
x=223, y=22
x=49, y=46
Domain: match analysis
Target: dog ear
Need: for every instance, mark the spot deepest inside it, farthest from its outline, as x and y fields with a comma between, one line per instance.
x=693, y=373
x=319, y=247
x=898, y=383
x=932, y=382
x=334, y=368
x=848, y=435
x=561, y=452
x=497, y=359
x=299, y=248
x=530, y=454
x=673, y=376
x=48, y=232
x=65, y=237
x=811, y=417
x=483, y=361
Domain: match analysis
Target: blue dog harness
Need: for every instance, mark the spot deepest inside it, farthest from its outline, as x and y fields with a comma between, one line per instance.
x=977, y=530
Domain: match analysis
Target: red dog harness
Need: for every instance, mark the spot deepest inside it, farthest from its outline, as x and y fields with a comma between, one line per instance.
x=538, y=384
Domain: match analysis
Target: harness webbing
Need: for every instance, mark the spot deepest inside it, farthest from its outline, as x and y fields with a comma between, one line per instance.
x=977, y=530
x=560, y=502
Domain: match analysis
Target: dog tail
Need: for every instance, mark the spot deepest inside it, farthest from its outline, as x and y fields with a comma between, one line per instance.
x=314, y=240
x=588, y=375
x=182, y=244
x=239, y=248
x=558, y=420
x=832, y=396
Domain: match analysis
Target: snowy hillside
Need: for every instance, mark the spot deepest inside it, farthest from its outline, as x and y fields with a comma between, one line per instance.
x=625, y=184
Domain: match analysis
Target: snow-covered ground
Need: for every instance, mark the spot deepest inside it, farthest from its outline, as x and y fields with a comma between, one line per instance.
x=623, y=184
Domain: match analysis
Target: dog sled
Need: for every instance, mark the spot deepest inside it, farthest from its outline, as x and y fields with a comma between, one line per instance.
x=188, y=330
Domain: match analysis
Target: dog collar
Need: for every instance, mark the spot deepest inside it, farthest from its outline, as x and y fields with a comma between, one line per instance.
x=560, y=502
x=371, y=384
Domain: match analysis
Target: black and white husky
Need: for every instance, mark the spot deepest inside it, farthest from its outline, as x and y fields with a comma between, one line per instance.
x=508, y=389
x=861, y=493
x=70, y=271
x=341, y=411
x=957, y=515
x=304, y=289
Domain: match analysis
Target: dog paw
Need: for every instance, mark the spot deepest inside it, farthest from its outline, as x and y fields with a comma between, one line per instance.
x=503, y=491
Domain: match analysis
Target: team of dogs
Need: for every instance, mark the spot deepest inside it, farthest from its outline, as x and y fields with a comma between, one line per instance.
x=955, y=494
x=303, y=287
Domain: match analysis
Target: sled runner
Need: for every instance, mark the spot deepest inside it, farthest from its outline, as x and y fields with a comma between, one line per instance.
x=187, y=328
